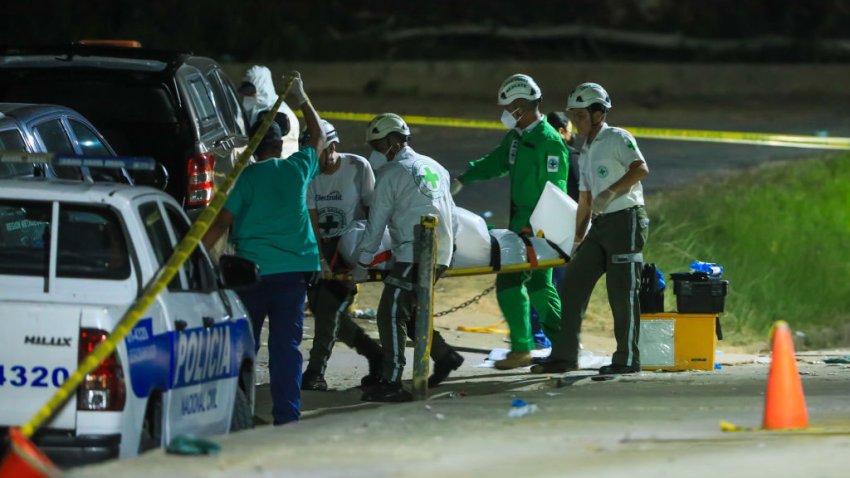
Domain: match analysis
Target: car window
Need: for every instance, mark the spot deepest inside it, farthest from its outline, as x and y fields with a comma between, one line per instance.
x=227, y=101
x=201, y=98
x=25, y=237
x=53, y=136
x=157, y=233
x=198, y=269
x=91, y=244
x=11, y=140
x=90, y=143
x=55, y=140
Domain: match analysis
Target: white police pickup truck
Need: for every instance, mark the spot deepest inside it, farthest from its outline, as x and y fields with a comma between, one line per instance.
x=73, y=257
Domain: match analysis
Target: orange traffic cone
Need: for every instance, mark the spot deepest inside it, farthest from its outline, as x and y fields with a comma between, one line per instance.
x=784, y=404
x=24, y=460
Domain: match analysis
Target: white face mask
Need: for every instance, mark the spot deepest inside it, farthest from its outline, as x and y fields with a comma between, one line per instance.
x=249, y=103
x=377, y=159
x=508, y=118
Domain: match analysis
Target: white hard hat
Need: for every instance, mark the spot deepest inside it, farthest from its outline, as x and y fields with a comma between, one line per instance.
x=384, y=124
x=331, y=135
x=518, y=86
x=587, y=94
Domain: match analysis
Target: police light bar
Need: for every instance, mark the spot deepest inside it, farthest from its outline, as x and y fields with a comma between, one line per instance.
x=135, y=163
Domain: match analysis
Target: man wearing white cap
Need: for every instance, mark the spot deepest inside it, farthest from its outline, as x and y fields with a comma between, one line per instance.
x=338, y=196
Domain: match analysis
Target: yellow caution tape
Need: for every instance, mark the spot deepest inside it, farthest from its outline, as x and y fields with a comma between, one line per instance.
x=727, y=426
x=731, y=137
x=489, y=329
x=155, y=286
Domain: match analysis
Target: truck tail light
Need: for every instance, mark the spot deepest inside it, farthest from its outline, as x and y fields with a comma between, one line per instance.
x=200, y=179
x=103, y=389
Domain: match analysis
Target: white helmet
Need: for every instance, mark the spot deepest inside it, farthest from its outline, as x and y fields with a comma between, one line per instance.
x=587, y=94
x=331, y=135
x=384, y=124
x=518, y=86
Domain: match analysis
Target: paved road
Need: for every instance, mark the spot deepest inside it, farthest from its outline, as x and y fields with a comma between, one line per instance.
x=648, y=425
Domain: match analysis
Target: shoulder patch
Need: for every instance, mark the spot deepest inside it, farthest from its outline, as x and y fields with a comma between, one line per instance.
x=552, y=164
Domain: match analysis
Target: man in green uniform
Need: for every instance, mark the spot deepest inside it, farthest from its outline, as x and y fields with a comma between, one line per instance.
x=532, y=153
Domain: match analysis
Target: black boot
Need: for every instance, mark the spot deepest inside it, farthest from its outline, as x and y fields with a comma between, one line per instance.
x=370, y=349
x=617, y=369
x=312, y=380
x=443, y=367
x=386, y=391
x=552, y=366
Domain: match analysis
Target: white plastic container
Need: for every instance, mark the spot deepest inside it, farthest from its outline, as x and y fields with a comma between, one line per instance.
x=554, y=217
x=472, y=241
x=512, y=249
x=350, y=239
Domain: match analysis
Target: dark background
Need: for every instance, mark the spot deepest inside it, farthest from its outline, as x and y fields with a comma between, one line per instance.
x=337, y=30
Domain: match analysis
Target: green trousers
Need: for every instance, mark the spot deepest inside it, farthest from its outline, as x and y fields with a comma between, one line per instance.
x=613, y=247
x=515, y=292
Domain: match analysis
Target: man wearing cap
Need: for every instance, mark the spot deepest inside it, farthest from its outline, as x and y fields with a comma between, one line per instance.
x=532, y=153
x=267, y=212
x=408, y=186
x=258, y=96
x=338, y=196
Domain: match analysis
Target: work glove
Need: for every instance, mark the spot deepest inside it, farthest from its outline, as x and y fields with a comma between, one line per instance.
x=297, y=89
x=601, y=202
x=359, y=274
x=456, y=186
x=327, y=273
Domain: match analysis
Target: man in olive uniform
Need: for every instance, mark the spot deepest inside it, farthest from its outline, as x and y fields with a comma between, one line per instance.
x=532, y=153
x=610, y=192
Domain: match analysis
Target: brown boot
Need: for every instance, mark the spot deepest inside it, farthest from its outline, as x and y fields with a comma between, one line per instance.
x=514, y=360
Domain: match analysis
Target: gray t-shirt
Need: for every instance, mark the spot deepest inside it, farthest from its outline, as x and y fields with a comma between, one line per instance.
x=342, y=197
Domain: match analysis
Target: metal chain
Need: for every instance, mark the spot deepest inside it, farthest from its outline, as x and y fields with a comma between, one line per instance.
x=466, y=304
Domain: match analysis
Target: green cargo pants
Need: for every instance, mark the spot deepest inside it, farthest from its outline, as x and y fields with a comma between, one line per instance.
x=613, y=247
x=329, y=301
x=515, y=291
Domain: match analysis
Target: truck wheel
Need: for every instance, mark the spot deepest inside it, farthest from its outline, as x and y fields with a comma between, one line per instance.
x=243, y=417
x=151, y=437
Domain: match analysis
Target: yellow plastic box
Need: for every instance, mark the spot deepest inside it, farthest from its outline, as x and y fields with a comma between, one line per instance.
x=674, y=341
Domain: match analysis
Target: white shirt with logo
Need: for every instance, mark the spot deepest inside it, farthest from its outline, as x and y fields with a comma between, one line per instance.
x=340, y=198
x=409, y=187
x=605, y=160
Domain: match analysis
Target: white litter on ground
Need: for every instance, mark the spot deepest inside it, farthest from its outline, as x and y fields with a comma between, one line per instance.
x=586, y=358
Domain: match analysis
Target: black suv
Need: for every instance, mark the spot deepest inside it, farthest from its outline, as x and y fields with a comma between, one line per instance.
x=178, y=108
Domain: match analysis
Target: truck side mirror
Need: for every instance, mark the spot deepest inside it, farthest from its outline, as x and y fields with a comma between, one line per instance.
x=236, y=272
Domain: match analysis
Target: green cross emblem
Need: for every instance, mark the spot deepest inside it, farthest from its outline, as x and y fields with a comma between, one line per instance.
x=431, y=178
x=603, y=171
